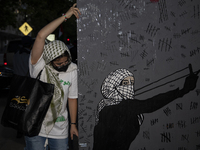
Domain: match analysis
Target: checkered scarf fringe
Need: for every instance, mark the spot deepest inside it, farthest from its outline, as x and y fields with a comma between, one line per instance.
x=51, y=51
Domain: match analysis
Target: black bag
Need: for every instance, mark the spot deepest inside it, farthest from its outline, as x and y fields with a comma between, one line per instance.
x=75, y=142
x=27, y=104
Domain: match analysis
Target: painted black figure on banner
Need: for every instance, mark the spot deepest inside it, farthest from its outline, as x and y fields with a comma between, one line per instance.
x=119, y=114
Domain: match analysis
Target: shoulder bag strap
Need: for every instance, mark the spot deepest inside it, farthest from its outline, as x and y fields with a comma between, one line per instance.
x=39, y=74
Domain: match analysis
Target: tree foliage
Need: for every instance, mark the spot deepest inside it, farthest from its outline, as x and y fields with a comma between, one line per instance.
x=37, y=14
x=8, y=15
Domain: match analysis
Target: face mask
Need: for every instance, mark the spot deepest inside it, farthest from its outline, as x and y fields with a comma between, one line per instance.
x=62, y=68
x=126, y=91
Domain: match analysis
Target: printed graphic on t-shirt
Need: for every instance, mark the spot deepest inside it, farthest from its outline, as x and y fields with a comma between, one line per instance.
x=65, y=82
x=60, y=119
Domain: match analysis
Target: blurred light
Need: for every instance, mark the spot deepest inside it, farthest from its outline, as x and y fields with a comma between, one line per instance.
x=68, y=40
x=51, y=37
x=5, y=63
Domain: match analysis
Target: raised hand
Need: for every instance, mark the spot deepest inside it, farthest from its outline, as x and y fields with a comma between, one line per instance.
x=190, y=81
x=73, y=11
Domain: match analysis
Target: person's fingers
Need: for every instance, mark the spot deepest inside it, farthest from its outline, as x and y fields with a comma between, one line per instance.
x=77, y=10
x=76, y=14
x=77, y=134
x=73, y=132
x=74, y=5
x=72, y=136
x=197, y=72
x=74, y=11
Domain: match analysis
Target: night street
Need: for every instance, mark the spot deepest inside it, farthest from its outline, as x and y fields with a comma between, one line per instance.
x=8, y=140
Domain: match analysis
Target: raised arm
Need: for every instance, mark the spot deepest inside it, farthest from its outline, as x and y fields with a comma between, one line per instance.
x=160, y=100
x=48, y=29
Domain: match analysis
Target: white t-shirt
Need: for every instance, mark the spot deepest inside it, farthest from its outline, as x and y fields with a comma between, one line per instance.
x=69, y=84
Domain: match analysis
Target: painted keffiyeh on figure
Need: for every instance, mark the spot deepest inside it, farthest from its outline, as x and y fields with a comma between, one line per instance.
x=51, y=51
x=114, y=92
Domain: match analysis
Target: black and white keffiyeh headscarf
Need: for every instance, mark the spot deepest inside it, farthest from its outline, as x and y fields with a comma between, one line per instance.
x=114, y=92
x=111, y=85
x=51, y=51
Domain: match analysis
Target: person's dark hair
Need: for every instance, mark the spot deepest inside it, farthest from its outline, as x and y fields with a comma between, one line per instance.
x=65, y=54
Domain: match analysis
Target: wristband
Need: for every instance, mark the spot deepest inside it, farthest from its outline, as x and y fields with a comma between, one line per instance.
x=73, y=123
x=65, y=17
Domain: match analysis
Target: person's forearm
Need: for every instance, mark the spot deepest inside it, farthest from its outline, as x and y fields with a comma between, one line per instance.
x=72, y=103
x=39, y=43
x=49, y=28
x=156, y=102
x=38, y=46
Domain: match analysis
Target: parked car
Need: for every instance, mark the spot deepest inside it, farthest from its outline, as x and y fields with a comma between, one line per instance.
x=12, y=47
x=1, y=59
x=6, y=75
